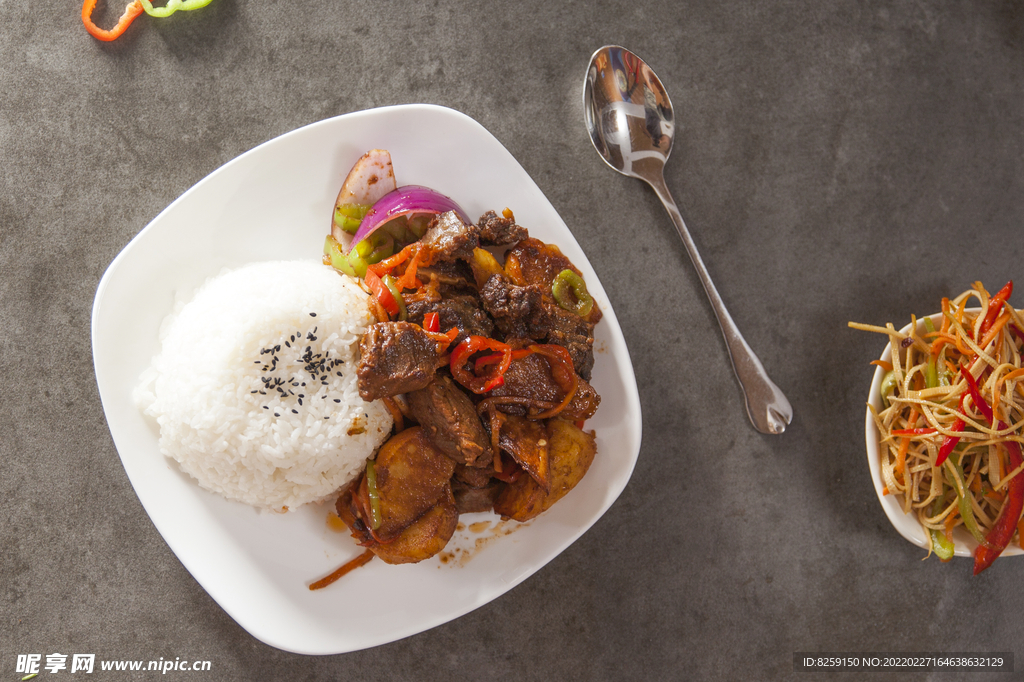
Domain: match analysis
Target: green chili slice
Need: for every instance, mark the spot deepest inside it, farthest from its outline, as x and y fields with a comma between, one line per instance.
x=392, y=284
x=371, y=489
x=570, y=292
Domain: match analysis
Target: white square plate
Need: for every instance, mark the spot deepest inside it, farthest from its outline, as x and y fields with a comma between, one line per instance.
x=275, y=202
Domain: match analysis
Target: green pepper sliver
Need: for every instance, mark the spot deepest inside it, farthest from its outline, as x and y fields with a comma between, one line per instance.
x=931, y=373
x=964, y=501
x=371, y=489
x=888, y=386
x=579, y=300
x=941, y=545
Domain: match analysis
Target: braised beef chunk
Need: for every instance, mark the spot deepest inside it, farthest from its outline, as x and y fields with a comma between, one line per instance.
x=474, y=477
x=470, y=500
x=450, y=421
x=535, y=262
x=496, y=230
x=530, y=377
x=448, y=277
x=449, y=238
x=462, y=312
x=532, y=262
x=567, y=329
x=510, y=305
x=583, y=404
x=395, y=357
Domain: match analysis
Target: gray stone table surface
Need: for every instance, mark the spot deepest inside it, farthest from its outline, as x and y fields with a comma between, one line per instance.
x=835, y=160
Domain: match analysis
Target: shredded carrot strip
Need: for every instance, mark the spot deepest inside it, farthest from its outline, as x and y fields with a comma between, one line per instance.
x=343, y=569
x=998, y=388
x=884, y=364
x=940, y=341
x=997, y=327
x=388, y=264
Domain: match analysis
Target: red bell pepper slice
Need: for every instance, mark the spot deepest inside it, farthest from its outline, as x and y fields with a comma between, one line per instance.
x=1002, y=532
x=995, y=305
x=950, y=442
x=432, y=322
x=1003, y=529
x=979, y=401
x=381, y=292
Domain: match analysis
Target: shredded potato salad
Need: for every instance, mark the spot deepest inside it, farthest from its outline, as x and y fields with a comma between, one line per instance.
x=952, y=420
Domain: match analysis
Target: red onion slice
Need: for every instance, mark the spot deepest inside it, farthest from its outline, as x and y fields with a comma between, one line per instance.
x=405, y=200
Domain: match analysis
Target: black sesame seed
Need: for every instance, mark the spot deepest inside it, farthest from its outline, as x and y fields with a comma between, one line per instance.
x=337, y=400
x=312, y=314
x=295, y=411
x=265, y=407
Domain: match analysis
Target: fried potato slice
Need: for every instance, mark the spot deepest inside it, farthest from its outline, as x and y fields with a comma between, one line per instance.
x=412, y=475
x=424, y=538
x=571, y=452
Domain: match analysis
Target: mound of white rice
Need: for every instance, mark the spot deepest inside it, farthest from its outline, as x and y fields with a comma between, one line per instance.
x=254, y=388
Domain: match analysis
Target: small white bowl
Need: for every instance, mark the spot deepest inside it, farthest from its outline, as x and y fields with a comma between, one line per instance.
x=907, y=524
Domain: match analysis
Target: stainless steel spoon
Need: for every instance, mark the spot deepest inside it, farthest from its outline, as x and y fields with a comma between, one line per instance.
x=629, y=117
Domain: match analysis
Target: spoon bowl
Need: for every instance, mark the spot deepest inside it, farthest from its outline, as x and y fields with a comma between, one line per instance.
x=630, y=120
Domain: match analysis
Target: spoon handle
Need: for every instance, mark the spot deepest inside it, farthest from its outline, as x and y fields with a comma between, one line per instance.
x=767, y=407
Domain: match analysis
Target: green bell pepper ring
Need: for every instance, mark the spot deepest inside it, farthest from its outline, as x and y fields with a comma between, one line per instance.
x=172, y=6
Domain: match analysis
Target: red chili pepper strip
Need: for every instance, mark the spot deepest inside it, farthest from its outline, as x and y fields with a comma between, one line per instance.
x=950, y=442
x=381, y=292
x=482, y=362
x=133, y=10
x=995, y=306
x=446, y=338
x=432, y=322
x=474, y=344
x=979, y=401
